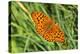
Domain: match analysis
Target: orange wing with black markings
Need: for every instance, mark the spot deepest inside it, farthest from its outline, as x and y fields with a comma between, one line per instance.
x=47, y=28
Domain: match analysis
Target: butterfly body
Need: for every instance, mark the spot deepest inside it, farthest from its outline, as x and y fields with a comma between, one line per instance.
x=47, y=28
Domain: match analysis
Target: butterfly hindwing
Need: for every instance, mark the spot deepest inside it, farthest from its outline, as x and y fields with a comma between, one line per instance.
x=54, y=34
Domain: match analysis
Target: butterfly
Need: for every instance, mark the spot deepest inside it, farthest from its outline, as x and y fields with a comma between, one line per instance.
x=47, y=28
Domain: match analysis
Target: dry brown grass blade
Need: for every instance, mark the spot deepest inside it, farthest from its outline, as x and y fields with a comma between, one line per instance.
x=25, y=9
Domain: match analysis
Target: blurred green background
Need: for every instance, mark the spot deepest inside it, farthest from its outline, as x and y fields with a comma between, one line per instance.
x=22, y=32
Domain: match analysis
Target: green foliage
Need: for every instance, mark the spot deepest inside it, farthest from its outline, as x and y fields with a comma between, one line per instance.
x=22, y=33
